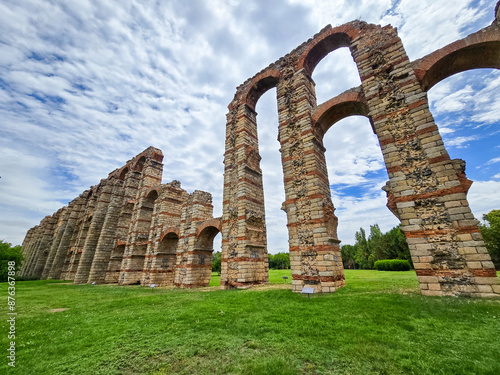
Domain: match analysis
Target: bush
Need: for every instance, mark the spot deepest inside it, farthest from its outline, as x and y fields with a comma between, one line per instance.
x=9, y=253
x=392, y=265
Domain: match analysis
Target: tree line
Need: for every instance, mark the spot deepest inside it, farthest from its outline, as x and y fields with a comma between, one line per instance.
x=376, y=246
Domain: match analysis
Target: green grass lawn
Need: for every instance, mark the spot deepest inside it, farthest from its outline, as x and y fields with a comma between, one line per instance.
x=377, y=324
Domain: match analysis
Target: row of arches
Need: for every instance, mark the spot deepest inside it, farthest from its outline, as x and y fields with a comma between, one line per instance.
x=392, y=93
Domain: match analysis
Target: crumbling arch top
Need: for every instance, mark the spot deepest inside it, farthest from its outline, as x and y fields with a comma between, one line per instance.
x=479, y=50
x=259, y=85
x=349, y=103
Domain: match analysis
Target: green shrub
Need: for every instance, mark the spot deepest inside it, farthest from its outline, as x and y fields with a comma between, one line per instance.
x=392, y=265
x=9, y=253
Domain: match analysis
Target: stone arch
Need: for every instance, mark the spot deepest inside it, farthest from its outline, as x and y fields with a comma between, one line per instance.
x=259, y=85
x=214, y=223
x=349, y=103
x=200, y=257
x=152, y=194
x=170, y=232
x=426, y=190
x=479, y=50
x=123, y=172
x=162, y=271
x=328, y=40
x=139, y=164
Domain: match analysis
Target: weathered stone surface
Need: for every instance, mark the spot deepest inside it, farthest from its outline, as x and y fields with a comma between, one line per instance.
x=132, y=229
x=128, y=229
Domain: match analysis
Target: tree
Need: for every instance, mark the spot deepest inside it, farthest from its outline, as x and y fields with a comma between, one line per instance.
x=491, y=235
x=217, y=262
x=378, y=246
x=363, y=250
x=348, y=253
x=9, y=253
x=280, y=261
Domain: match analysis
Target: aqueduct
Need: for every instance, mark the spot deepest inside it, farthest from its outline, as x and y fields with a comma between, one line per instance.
x=131, y=228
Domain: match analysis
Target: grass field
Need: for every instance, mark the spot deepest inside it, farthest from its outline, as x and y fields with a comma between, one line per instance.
x=377, y=324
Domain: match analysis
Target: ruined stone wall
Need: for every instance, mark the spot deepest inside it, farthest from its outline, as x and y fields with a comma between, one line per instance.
x=426, y=190
x=132, y=229
x=125, y=230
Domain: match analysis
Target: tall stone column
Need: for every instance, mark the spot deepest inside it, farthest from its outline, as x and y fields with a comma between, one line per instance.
x=48, y=237
x=162, y=253
x=194, y=265
x=315, y=257
x=244, y=241
x=63, y=217
x=94, y=232
x=26, y=245
x=426, y=190
x=74, y=210
x=107, y=237
x=151, y=170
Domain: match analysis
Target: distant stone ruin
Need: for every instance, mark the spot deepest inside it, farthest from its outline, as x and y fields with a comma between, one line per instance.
x=129, y=229
x=132, y=229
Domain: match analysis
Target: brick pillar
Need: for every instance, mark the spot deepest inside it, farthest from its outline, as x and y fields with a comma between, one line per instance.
x=26, y=253
x=244, y=242
x=106, y=242
x=130, y=187
x=81, y=237
x=150, y=168
x=162, y=254
x=48, y=237
x=426, y=190
x=30, y=250
x=63, y=217
x=74, y=208
x=103, y=193
x=194, y=266
x=315, y=257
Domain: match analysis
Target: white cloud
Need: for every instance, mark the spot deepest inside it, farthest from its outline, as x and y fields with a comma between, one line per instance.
x=87, y=85
x=494, y=160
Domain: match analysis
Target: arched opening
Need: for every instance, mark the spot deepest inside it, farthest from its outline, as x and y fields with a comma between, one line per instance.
x=272, y=173
x=335, y=73
x=139, y=165
x=466, y=110
x=357, y=173
x=163, y=268
x=123, y=172
x=202, y=253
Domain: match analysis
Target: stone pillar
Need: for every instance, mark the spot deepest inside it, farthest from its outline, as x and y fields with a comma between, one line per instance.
x=161, y=256
x=103, y=193
x=244, y=242
x=74, y=210
x=194, y=265
x=130, y=187
x=426, y=190
x=81, y=237
x=105, y=245
x=29, y=250
x=48, y=237
x=151, y=170
x=315, y=257
x=63, y=217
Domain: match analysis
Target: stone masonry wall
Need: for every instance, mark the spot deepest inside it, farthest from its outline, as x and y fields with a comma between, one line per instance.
x=426, y=190
x=126, y=230
x=132, y=229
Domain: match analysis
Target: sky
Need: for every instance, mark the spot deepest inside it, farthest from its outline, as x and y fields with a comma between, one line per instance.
x=87, y=85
